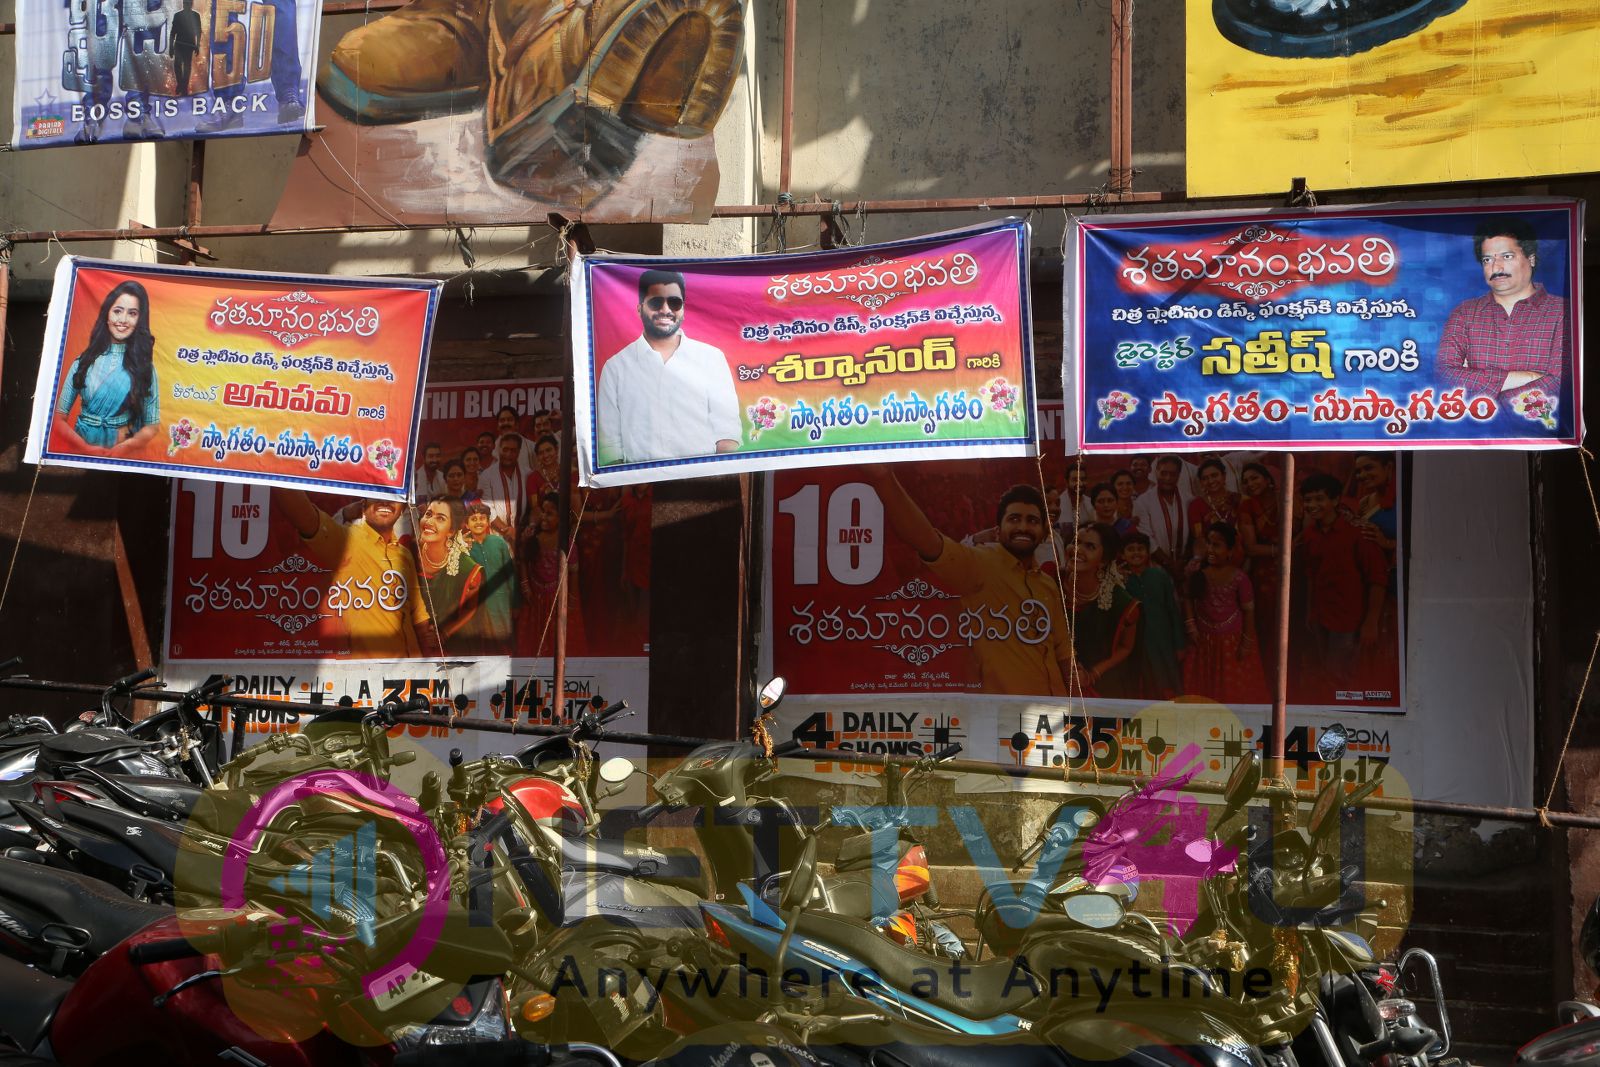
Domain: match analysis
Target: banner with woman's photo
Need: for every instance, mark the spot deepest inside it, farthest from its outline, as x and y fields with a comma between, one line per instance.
x=960, y=579
x=297, y=381
x=470, y=571
x=1414, y=326
x=162, y=70
x=919, y=349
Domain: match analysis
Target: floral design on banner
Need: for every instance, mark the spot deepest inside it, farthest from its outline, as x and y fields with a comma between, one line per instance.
x=1538, y=405
x=1117, y=405
x=386, y=457
x=1001, y=395
x=182, y=434
x=764, y=415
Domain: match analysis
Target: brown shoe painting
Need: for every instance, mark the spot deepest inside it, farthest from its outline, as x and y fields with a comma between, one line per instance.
x=570, y=88
x=426, y=59
x=572, y=96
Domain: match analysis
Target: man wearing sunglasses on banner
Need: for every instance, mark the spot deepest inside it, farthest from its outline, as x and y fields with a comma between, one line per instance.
x=666, y=395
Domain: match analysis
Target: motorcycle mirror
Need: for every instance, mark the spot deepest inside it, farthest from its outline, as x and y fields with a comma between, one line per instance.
x=1242, y=784
x=796, y=892
x=1325, y=813
x=1332, y=743
x=803, y=879
x=772, y=693
x=616, y=770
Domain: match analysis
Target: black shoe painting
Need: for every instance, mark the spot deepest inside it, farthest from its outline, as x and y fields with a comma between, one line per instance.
x=1320, y=29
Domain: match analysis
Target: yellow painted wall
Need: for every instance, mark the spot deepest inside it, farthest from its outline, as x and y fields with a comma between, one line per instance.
x=1496, y=89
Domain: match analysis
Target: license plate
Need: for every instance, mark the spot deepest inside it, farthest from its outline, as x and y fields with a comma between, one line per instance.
x=400, y=988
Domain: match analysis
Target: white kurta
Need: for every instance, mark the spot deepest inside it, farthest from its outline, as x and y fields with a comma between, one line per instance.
x=648, y=409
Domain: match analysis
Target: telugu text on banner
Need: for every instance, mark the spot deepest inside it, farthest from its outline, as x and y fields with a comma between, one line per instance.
x=99, y=73
x=281, y=379
x=1417, y=326
x=915, y=350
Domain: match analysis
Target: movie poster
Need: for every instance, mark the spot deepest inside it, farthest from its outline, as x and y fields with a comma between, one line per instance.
x=294, y=381
x=915, y=350
x=1153, y=577
x=162, y=70
x=469, y=571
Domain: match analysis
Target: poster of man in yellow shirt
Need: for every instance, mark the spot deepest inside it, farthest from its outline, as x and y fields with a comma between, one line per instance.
x=998, y=580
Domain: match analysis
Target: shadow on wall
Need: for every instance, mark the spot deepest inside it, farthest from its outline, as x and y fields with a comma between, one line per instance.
x=63, y=613
x=921, y=99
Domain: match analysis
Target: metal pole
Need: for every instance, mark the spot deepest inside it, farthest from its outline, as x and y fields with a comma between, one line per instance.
x=725, y=211
x=1056, y=774
x=786, y=142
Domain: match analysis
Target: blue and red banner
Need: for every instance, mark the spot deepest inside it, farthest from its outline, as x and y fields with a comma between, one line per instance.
x=1415, y=326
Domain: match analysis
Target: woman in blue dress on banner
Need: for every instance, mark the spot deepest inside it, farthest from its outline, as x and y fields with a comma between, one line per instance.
x=113, y=381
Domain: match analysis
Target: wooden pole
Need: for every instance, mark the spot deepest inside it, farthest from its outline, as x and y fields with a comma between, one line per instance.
x=5, y=301
x=576, y=238
x=1120, y=179
x=786, y=142
x=1280, y=695
x=191, y=198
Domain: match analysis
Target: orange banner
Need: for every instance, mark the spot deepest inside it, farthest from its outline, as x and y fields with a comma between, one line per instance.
x=289, y=380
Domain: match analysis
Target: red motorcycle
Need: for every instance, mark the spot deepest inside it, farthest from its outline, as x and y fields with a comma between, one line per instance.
x=254, y=989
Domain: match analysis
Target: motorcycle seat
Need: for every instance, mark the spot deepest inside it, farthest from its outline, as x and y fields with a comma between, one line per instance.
x=77, y=900
x=173, y=796
x=155, y=842
x=90, y=743
x=986, y=989
x=30, y=1003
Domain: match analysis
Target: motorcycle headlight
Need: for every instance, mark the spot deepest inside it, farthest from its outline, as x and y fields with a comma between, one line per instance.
x=489, y=1024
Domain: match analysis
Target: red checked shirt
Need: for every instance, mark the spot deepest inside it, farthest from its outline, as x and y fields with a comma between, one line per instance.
x=1482, y=344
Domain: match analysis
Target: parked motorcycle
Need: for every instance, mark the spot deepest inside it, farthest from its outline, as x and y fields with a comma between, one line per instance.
x=1576, y=1041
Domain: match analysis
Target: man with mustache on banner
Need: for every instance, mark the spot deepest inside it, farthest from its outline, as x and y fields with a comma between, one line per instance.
x=1515, y=336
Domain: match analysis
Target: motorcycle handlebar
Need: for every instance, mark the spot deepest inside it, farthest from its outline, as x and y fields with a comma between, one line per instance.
x=947, y=753
x=201, y=693
x=650, y=811
x=136, y=678
x=788, y=748
x=611, y=711
x=14, y=661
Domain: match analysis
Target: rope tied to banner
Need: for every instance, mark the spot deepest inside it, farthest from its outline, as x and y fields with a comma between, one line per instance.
x=1585, y=457
x=1069, y=612
x=577, y=524
x=16, y=546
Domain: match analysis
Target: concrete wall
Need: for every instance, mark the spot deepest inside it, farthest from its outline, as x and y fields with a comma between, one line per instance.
x=946, y=98
x=894, y=99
